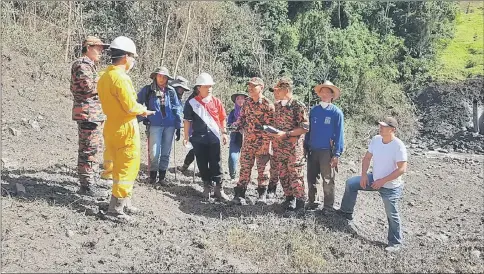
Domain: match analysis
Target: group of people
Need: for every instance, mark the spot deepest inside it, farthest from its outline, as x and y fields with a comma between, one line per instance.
x=278, y=137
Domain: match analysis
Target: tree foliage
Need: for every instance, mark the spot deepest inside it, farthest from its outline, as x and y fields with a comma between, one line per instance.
x=377, y=52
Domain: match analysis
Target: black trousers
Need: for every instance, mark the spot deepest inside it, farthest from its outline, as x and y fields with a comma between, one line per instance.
x=208, y=161
x=189, y=158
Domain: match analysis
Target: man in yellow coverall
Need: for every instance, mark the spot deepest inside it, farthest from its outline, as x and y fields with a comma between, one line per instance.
x=121, y=131
x=107, y=173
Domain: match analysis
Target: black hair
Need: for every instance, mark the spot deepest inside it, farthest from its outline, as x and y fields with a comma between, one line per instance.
x=117, y=54
x=194, y=92
x=84, y=49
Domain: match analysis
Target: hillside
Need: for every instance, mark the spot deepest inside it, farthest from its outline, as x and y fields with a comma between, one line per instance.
x=50, y=228
x=463, y=56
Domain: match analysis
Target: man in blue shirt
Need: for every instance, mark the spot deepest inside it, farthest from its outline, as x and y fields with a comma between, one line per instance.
x=324, y=144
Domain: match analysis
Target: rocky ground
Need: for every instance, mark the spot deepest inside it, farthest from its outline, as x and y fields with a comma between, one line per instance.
x=446, y=117
x=46, y=227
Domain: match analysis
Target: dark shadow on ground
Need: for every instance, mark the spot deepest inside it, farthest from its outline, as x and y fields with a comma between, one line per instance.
x=335, y=222
x=191, y=201
x=54, y=192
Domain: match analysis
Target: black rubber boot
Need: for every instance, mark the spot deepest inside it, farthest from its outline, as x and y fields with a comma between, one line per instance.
x=262, y=191
x=220, y=194
x=183, y=168
x=207, y=189
x=161, y=178
x=271, y=192
x=290, y=203
x=153, y=176
x=239, y=197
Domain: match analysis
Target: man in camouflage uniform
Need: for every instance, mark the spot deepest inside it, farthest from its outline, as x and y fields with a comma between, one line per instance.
x=291, y=119
x=256, y=112
x=87, y=111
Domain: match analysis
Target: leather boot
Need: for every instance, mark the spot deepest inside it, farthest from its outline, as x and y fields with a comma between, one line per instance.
x=161, y=178
x=153, y=177
x=220, y=194
x=262, y=191
x=207, y=189
x=115, y=210
x=239, y=198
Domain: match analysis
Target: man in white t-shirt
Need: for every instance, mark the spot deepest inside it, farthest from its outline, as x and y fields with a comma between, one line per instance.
x=389, y=164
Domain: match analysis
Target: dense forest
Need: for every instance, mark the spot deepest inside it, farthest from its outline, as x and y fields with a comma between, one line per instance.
x=379, y=53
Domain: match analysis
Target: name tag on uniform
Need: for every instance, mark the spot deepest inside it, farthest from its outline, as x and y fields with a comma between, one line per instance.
x=327, y=120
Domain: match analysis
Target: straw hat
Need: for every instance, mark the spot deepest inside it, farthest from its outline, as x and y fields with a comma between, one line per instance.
x=328, y=84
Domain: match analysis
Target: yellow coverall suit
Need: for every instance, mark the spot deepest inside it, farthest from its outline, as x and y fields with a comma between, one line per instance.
x=121, y=130
x=107, y=172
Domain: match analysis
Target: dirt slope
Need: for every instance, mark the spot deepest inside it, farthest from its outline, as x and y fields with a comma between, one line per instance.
x=446, y=116
x=51, y=229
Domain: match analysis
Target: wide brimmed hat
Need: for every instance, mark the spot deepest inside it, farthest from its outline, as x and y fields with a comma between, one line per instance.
x=161, y=71
x=180, y=82
x=234, y=96
x=328, y=84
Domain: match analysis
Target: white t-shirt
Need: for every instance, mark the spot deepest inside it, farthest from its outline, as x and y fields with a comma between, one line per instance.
x=385, y=158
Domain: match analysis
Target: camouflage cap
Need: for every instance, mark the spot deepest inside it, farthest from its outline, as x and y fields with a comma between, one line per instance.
x=94, y=41
x=256, y=81
x=283, y=83
x=161, y=71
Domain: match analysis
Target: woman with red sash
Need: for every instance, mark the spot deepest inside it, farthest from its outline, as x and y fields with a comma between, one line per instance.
x=206, y=116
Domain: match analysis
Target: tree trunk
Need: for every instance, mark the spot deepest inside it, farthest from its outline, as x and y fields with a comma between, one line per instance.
x=66, y=56
x=184, y=39
x=339, y=13
x=165, y=37
x=199, y=52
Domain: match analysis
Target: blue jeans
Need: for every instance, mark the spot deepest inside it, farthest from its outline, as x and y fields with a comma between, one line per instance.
x=234, y=154
x=390, y=197
x=161, y=140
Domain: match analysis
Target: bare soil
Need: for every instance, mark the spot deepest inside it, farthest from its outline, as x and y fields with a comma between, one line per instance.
x=446, y=120
x=52, y=229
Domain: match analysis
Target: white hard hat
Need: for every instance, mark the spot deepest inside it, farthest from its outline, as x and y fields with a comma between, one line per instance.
x=124, y=43
x=204, y=79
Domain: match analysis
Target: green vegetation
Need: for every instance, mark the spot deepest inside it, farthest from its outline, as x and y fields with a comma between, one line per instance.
x=463, y=56
x=379, y=53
